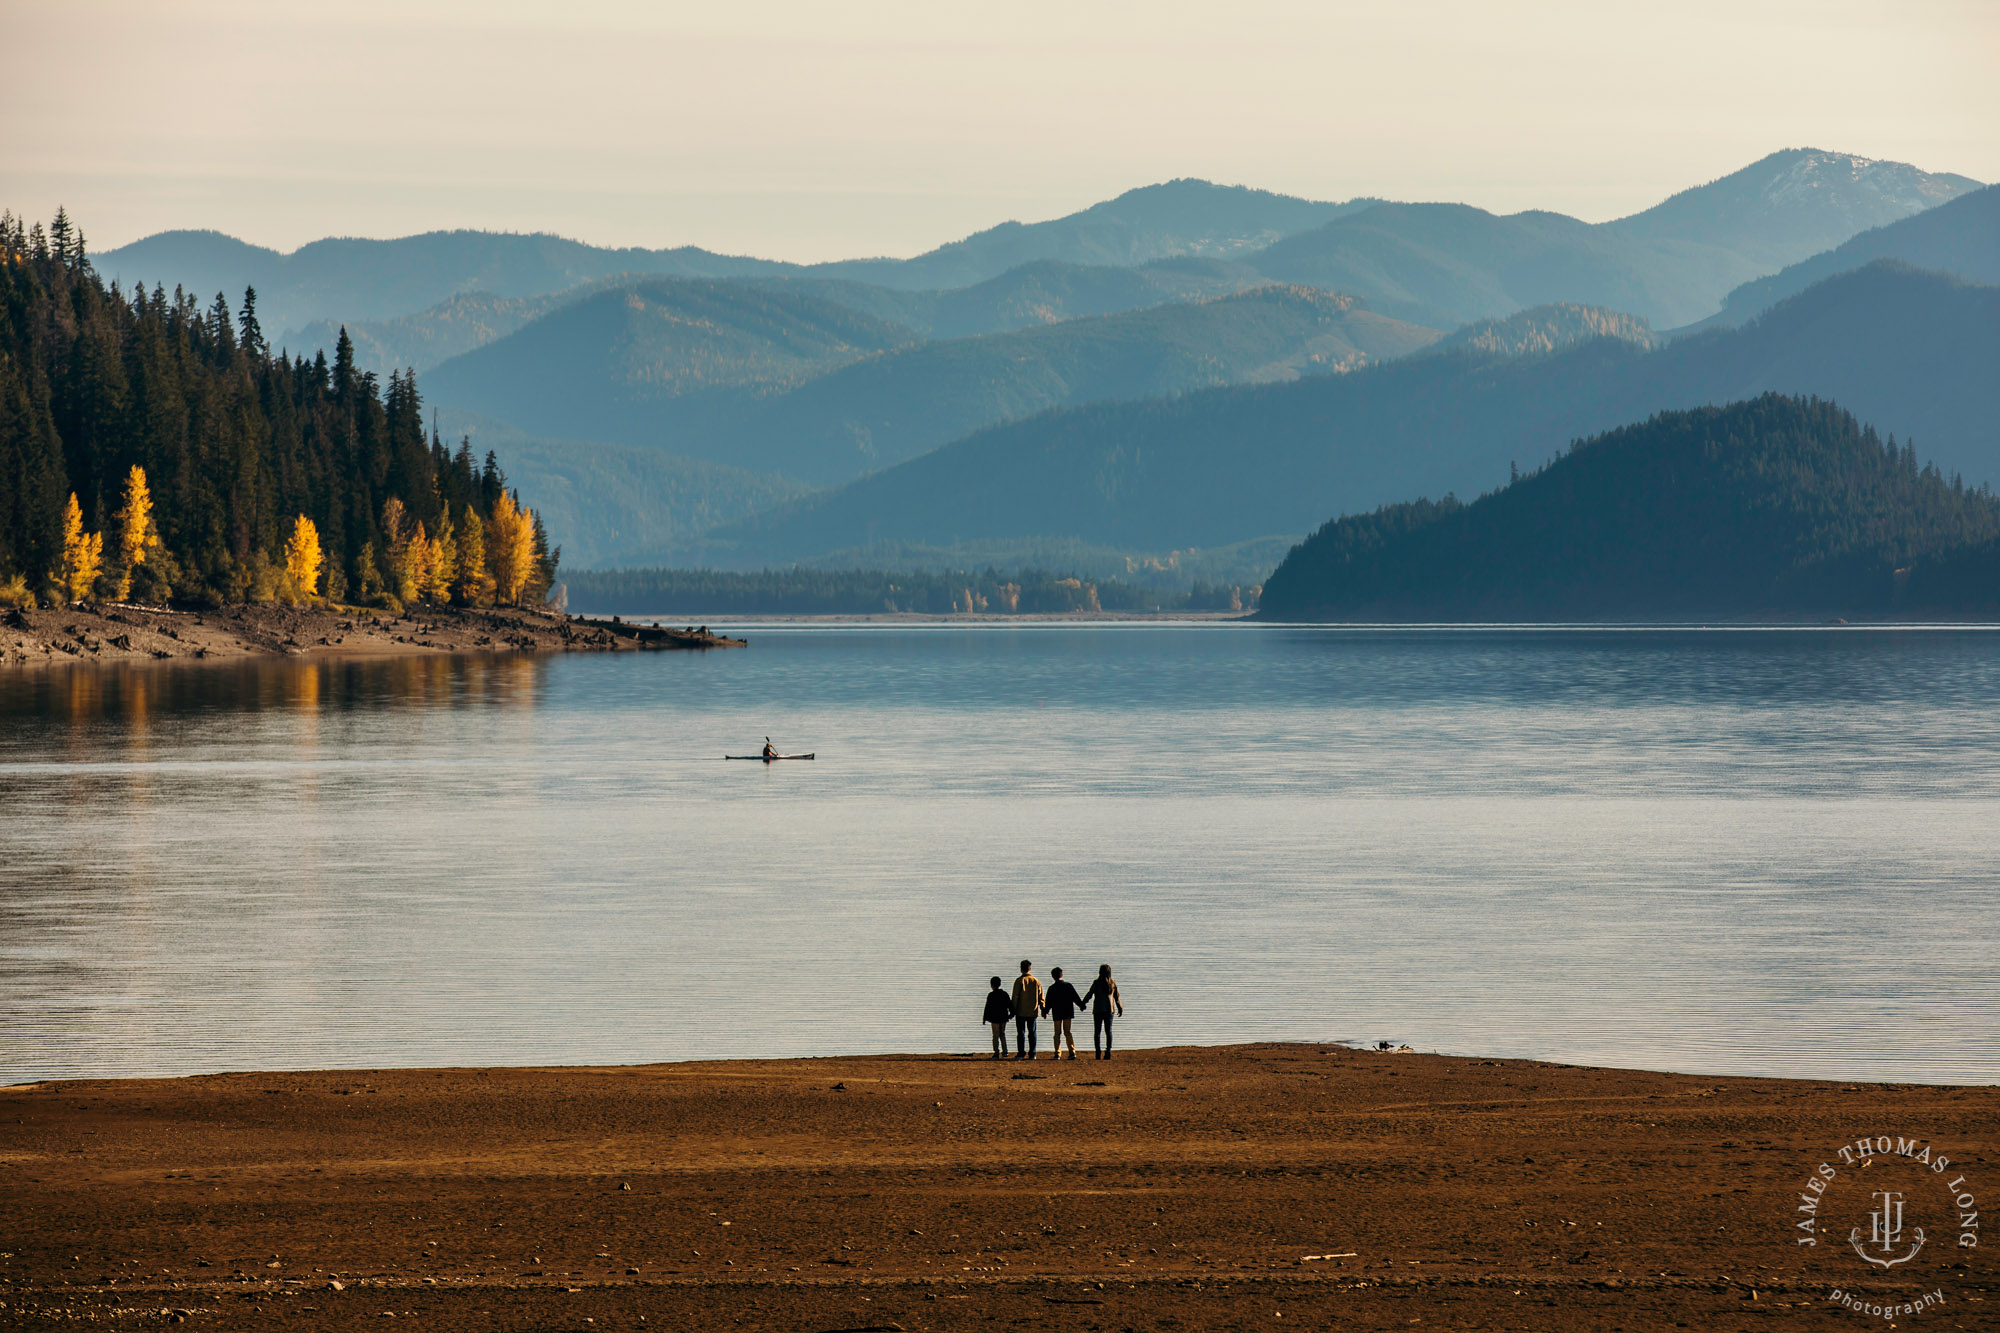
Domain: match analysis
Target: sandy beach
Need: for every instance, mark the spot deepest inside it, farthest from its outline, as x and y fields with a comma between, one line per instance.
x=1257, y=1186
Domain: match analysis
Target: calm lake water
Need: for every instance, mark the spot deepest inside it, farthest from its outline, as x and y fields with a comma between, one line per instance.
x=1729, y=852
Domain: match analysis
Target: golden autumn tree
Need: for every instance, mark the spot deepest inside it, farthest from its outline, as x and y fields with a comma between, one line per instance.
x=81, y=559
x=136, y=537
x=443, y=562
x=419, y=559
x=510, y=548
x=303, y=557
x=474, y=585
x=397, y=544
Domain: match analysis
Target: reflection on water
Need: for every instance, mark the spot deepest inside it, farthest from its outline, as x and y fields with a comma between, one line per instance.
x=1727, y=852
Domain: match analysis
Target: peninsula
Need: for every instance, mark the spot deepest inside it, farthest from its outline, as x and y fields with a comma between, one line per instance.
x=111, y=634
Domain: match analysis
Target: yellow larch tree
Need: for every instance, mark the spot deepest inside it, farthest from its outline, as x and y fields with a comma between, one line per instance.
x=81, y=559
x=474, y=585
x=418, y=559
x=302, y=557
x=135, y=531
x=443, y=562
x=510, y=547
x=396, y=546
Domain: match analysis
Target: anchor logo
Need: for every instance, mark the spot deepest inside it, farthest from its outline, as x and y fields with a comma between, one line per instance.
x=1885, y=1232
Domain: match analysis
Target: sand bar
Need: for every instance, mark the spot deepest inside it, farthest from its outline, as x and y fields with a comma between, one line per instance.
x=1257, y=1186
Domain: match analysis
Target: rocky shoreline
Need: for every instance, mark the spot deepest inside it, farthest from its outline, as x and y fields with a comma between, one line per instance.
x=123, y=633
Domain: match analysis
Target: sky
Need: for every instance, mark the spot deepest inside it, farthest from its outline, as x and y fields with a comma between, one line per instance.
x=808, y=130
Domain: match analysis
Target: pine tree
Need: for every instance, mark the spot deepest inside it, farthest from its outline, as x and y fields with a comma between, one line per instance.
x=252, y=332
x=59, y=237
x=546, y=559
x=302, y=557
x=82, y=556
x=343, y=364
x=368, y=587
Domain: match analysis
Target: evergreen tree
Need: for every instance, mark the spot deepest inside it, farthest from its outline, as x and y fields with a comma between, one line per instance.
x=252, y=333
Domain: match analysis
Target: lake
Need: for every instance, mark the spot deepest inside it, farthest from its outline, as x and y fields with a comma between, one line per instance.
x=1727, y=851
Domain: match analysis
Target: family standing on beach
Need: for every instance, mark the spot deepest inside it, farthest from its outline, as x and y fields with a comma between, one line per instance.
x=1059, y=1003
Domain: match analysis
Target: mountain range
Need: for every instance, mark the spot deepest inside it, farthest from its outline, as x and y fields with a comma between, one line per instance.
x=1121, y=379
x=1435, y=264
x=1960, y=237
x=783, y=382
x=1898, y=346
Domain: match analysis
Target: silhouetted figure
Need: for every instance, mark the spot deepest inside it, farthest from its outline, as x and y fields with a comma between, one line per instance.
x=1061, y=1004
x=770, y=751
x=998, y=1010
x=1027, y=1003
x=1103, y=997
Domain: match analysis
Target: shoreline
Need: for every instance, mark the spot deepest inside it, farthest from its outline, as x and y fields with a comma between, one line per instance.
x=1169, y=1188
x=126, y=634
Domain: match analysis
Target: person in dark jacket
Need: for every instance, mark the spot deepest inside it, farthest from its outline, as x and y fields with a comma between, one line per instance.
x=1060, y=1002
x=998, y=1010
x=1103, y=997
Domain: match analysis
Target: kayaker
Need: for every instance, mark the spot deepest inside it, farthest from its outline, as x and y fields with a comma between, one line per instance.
x=770, y=751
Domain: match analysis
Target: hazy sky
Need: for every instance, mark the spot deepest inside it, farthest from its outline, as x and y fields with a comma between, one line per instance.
x=814, y=130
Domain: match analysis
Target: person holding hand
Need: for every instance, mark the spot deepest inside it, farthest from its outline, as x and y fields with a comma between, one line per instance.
x=1060, y=1003
x=998, y=1010
x=1103, y=997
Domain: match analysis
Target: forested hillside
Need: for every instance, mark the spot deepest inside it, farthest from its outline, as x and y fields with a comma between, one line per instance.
x=1777, y=506
x=643, y=366
x=612, y=505
x=1960, y=238
x=154, y=448
x=1911, y=351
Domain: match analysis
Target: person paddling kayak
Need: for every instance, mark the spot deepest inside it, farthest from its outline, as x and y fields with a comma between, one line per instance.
x=770, y=751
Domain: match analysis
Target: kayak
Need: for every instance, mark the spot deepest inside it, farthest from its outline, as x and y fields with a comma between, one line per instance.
x=770, y=760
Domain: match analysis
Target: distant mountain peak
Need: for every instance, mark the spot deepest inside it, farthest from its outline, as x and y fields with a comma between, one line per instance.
x=1804, y=176
x=1793, y=203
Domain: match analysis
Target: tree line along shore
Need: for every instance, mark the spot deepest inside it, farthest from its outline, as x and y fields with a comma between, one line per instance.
x=156, y=451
